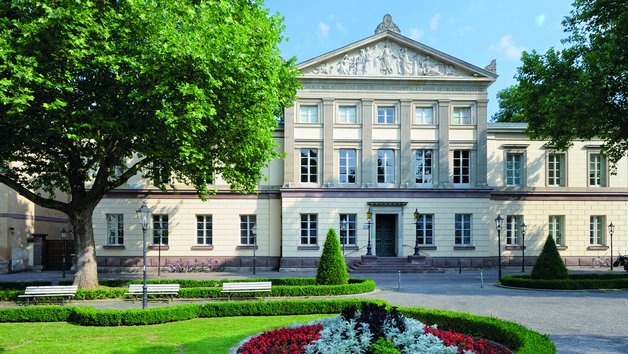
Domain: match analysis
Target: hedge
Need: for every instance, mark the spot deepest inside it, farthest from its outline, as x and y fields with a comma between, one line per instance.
x=574, y=282
x=21, y=285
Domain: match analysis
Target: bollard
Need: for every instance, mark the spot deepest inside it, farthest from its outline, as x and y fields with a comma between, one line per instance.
x=398, y=280
x=481, y=278
x=459, y=267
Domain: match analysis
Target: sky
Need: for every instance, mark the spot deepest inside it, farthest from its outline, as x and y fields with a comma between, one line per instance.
x=475, y=31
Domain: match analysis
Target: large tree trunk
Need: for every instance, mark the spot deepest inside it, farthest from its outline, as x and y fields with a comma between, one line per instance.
x=86, y=275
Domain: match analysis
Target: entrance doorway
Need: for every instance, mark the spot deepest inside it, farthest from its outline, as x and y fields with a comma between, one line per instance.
x=385, y=235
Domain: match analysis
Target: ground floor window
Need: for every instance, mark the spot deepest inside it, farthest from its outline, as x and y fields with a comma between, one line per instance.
x=596, y=230
x=248, y=230
x=463, y=229
x=348, y=229
x=309, y=229
x=425, y=229
x=160, y=229
x=556, y=226
x=115, y=229
x=513, y=229
x=203, y=229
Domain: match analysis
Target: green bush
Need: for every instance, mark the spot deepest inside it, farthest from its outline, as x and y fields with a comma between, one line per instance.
x=332, y=269
x=549, y=265
x=10, y=295
x=574, y=282
x=21, y=285
x=36, y=314
x=384, y=346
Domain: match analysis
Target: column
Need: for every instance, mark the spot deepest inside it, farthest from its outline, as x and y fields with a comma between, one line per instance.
x=481, y=167
x=367, y=142
x=288, y=140
x=328, y=142
x=444, y=108
x=405, y=155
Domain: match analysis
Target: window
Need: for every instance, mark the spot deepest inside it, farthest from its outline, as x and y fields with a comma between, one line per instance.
x=347, y=114
x=556, y=170
x=514, y=169
x=115, y=229
x=463, y=229
x=596, y=230
x=423, y=167
x=556, y=226
x=348, y=235
x=248, y=231
x=425, y=229
x=461, y=167
x=308, y=229
x=309, y=164
x=461, y=116
x=513, y=229
x=160, y=229
x=386, y=115
x=385, y=166
x=597, y=169
x=346, y=160
x=308, y=114
x=423, y=115
x=203, y=229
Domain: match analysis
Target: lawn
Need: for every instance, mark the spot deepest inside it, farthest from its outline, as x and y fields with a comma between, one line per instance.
x=203, y=335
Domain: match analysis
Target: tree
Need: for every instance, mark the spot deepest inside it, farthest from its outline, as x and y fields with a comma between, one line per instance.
x=549, y=265
x=579, y=92
x=95, y=92
x=332, y=269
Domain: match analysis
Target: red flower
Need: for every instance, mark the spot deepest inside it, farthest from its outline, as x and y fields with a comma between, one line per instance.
x=463, y=342
x=283, y=340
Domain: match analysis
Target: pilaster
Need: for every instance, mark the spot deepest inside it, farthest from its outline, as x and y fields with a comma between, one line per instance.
x=405, y=158
x=367, y=142
x=481, y=168
x=288, y=126
x=444, y=108
x=328, y=142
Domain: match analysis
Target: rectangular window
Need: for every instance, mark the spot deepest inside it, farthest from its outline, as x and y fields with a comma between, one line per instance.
x=423, y=167
x=203, y=229
x=309, y=227
x=348, y=223
x=463, y=229
x=386, y=115
x=425, y=229
x=160, y=229
x=556, y=226
x=385, y=166
x=347, y=114
x=248, y=230
x=597, y=169
x=309, y=165
x=346, y=159
x=308, y=114
x=513, y=229
x=115, y=229
x=423, y=115
x=514, y=169
x=461, y=167
x=461, y=116
x=556, y=170
x=596, y=230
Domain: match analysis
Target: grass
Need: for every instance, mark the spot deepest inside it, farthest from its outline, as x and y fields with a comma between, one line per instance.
x=204, y=335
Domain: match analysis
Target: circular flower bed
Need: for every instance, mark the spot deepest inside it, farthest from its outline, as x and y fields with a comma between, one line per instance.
x=372, y=329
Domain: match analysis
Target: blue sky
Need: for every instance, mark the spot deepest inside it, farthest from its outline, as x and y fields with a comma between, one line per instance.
x=475, y=31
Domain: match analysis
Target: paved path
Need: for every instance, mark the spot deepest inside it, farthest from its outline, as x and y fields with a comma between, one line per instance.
x=579, y=322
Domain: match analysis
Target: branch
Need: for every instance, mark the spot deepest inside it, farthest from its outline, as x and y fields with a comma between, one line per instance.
x=41, y=201
x=130, y=172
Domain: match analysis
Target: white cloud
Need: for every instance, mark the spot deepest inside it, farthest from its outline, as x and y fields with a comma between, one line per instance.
x=323, y=30
x=463, y=30
x=507, y=47
x=540, y=20
x=434, y=21
x=416, y=33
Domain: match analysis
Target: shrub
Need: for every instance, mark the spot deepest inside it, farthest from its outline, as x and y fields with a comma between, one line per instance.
x=36, y=314
x=574, y=282
x=332, y=269
x=21, y=285
x=549, y=265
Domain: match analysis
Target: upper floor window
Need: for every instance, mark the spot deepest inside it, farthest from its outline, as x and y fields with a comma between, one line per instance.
x=386, y=115
x=423, y=167
x=347, y=114
x=308, y=114
x=513, y=229
x=596, y=230
x=347, y=167
x=115, y=229
x=514, y=169
x=309, y=165
x=385, y=166
x=555, y=169
x=461, y=116
x=425, y=229
x=348, y=229
x=597, y=170
x=556, y=226
x=461, y=172
x=309, y=229
x=248, y=230
x=160, y=229
x=463, y=229
x=203, y=229
x=423, y=115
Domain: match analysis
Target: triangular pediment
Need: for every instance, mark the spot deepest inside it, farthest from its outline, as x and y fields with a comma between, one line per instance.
x=391, y=55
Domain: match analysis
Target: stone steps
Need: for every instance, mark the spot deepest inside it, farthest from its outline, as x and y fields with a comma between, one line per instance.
x=392, y=265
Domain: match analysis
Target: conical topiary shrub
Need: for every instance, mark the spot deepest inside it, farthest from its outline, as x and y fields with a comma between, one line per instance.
x=332, y=269
x=549, y=265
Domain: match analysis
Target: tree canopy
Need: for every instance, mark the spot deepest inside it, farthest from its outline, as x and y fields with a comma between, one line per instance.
x=95, y=92
x=578, y=92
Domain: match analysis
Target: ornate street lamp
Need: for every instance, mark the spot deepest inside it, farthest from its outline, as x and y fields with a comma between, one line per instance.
x=416, y=223
x=64, y=236
x=143, y=215
x=254, y=233
x=523, y=245
x=498, y=227
x=369, y=220
x=611, y=229
x=343, y=230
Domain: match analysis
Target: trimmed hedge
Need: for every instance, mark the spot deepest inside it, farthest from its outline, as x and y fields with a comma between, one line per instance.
x=21, y=285
x=332, y=268
x=549, y=265
x=574, y=282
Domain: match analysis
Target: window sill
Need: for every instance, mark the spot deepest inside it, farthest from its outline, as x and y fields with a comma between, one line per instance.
x=464, y=248
x=597, y=248
x=309, y=248
x=561, y=248
x=157, y=247
x=350, y=247
x=514, y=247
x=202, y=248
x=246, y=247
x=114, y=247
x=430, y=248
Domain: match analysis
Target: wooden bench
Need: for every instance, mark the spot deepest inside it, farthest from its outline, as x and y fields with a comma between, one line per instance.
x=169, y=290
x=62, y=291
x=246, y=287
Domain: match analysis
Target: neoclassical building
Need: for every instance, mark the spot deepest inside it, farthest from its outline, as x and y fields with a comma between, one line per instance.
x=388, y=143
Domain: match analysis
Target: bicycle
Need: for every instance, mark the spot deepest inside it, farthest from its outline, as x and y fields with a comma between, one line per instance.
x=216, y=266
x=601, y=262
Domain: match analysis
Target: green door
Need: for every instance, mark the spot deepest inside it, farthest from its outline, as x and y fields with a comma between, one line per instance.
x=385, y=235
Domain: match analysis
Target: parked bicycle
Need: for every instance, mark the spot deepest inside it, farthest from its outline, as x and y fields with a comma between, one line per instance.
x=601, y=262
x=621, y=261
x=216, y=266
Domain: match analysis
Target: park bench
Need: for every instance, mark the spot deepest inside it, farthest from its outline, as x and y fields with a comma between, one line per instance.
x=52, y=291
x=246, y=287
x=169, y=290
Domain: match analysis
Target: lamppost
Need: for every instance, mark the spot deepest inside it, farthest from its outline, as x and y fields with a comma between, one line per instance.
x=64, y=235
x=369, y=220
x=611, y=229
x=343, y=230
x=416, y=216
x=523, y=246
x=254, y=233
x=498, y=227
x=143, y=214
